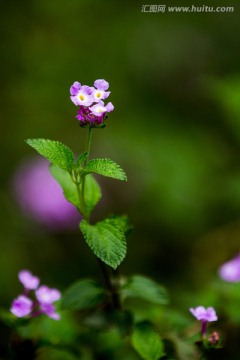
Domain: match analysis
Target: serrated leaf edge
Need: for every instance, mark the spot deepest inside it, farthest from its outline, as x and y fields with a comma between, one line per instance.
x=106, y=262
x=30, y=143
x=106, y=159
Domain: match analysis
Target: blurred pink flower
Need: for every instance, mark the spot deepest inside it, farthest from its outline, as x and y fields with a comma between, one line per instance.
x=205, y=315
x=230, y=270
x=21, y=306
x=201, y=313
x=44, y=297
x=29, y=281
x=41, y=197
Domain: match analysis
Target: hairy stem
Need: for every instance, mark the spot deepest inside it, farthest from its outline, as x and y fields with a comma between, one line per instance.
x=113, y=289
x=82, y=202
x=110, y=286
x=89, y=136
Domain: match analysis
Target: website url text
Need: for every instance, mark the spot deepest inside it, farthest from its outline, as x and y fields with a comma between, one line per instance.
x=184, y=9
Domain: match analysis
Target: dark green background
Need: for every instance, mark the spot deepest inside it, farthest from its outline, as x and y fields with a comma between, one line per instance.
x=175, y=83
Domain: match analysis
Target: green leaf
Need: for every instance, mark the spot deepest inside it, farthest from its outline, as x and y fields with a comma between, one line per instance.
x=68, y=186
x=50, y=331
x=56, y=152
x=84, y=294
x=147, y=342
x=105, y=167
x=146, y=289
x=82, y=158
x=92, y=193
x=11, y=320
x=106, y=240
x=122, y=221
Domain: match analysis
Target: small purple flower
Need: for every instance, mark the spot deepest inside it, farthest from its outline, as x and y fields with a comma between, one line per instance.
x=85, y=116
x=99, y=109
x=99, y=92
x=101, y=84
x=49, y=310
x=74, y=89
x=29, y=281
x=21, y=306
x=201, y=313
x=205, y=315
x=83, y=95
x=45, y=295
x=230, y=271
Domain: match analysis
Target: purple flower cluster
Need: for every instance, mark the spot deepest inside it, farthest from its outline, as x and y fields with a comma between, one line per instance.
x=35, y=300
x=92, y=110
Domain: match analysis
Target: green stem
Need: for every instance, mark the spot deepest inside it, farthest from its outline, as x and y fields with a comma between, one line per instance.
x=89, y=138
x=81, y=200
x=81, y=195
x=116, y=302
x=105, y=273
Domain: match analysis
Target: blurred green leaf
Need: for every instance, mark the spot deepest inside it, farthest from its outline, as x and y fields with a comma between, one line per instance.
x=106, y=240
x=147, y=342
x=105, y=167
x=68, y=186
x=146, y=289
x=85, y=294
x=227, y=93
x=92, y=193
x=54, y=332
x=11, y=320
x=56, y=152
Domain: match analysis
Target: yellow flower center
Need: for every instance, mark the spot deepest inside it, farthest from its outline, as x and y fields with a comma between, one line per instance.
x=98, y=95
x=81, y=97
